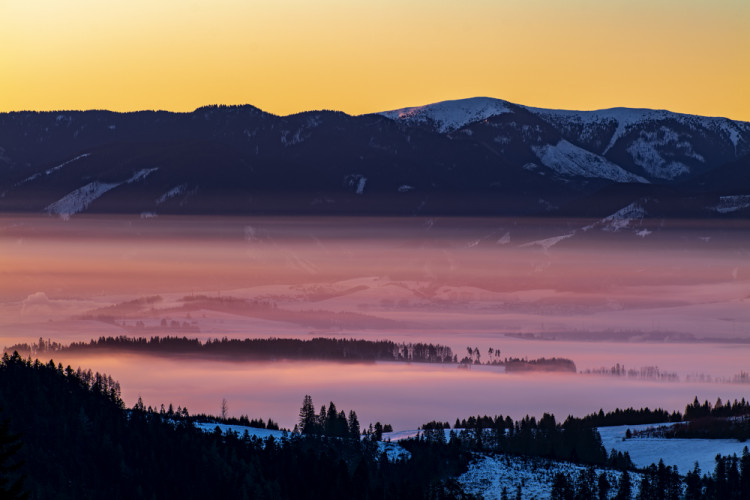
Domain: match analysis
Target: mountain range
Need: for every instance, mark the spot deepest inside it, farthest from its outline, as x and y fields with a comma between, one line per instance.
x=478, y=156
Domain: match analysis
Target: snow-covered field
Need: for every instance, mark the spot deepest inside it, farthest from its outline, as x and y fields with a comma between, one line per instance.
x=488, y=475
x=239, y=430
x=680, y=452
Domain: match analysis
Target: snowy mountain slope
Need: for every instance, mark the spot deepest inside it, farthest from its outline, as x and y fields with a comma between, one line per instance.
x=568, y=159
x=478, y=156
x=78, y=200
x=624, y=119
x=628, y=217
x=448, y=116
x=659, y=144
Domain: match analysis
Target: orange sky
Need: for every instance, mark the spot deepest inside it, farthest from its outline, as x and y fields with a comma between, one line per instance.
x=362, y=56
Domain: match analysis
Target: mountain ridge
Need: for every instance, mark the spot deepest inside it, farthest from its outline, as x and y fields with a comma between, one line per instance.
x=479, y=156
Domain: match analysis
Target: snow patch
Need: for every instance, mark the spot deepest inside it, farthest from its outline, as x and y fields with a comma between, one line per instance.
x=239, y=430
x=645, y=153
x=683, y=453
x=628, y=118
x=568, y=159
x=547, y=243
x=361, y=185
x=81, y=198
x=488, y=475
x=728, y=204
x=504, y=240
x=356, y=181
x=141, y=174
x=175, y=191
x=447, y=116
x=623, y=217
x=50, y=171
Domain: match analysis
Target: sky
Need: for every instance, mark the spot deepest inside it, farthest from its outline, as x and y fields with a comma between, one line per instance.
x=361, y=56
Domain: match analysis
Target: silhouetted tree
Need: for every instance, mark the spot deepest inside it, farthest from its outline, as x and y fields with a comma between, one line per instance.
x=11, y=483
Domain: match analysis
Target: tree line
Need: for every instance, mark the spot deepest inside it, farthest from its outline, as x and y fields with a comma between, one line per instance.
x=74, y=439
x=272, y=348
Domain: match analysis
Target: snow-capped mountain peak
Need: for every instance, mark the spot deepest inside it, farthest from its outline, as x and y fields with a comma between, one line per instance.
x=448, y=116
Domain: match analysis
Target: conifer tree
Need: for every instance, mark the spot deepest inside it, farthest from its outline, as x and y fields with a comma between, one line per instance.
x=353, y=425
x=11, y=486
x=307, y=418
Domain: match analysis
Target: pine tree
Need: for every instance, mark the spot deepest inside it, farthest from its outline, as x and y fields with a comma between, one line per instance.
x=604, y=486
x=307, y=418
x=745, y=474
x=693, y=489
x=10, y=445
x=625, y=487
x=353, y=425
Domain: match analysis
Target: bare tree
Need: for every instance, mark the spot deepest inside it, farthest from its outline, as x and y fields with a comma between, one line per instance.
x=224, y=408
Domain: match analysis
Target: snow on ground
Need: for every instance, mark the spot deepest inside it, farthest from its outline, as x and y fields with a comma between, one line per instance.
x=488, y=475
x=568, y=159
x=239, y=429
x=175, y=191
x=448, y=116
x=361, y=185
x=51, y=170
x=392, y=449
x=547, y=243
x=645, y=151
x=680, y=452
x=78, y=200
x=729, y=204
x=621, y=219
x=625, y=118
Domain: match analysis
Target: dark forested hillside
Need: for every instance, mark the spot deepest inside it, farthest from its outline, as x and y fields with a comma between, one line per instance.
x=514, y=160
x=78, y=442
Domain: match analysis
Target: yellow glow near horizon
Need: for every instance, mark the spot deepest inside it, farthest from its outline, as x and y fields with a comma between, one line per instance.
x=363, y=56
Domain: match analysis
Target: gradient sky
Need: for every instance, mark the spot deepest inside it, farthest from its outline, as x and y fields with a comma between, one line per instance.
x=361, y=56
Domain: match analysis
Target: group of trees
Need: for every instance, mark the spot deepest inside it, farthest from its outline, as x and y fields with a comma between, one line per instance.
x=266, y=349
x=78, y=441
x=643, y=373
x=730, y=420
x=329, y=422
x=718, y=410
x=51, y=412
x=590, y=486
x=333, y=423
x=571, y=440
x=631, y=416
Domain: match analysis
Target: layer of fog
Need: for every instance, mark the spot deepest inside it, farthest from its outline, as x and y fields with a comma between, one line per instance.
x=460, y=282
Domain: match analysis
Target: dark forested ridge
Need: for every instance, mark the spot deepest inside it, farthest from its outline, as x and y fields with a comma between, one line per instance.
x=79, y=442
x=319, y=348
x=522, y=161
x=66, y=434
x=257, y=349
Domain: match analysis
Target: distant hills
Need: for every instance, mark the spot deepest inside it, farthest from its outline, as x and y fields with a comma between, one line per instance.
x=478, y=156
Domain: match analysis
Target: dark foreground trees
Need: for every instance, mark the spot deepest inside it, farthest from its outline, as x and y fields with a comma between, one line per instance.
x=11, y=482
x=80, y=442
